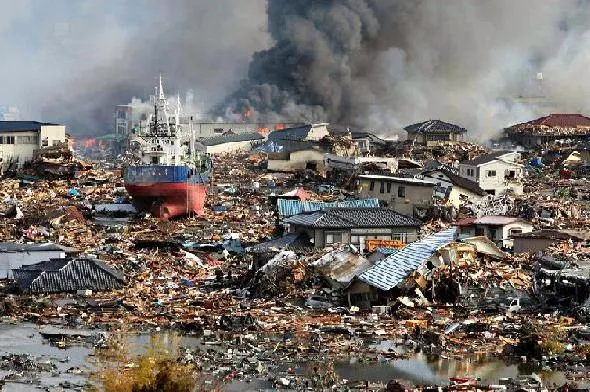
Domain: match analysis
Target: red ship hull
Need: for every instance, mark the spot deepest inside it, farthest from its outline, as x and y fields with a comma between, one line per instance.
x=169, y=199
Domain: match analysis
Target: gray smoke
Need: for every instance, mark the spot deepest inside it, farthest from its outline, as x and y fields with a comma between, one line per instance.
x=378, y=64
x=73, y=61
x=384, y=64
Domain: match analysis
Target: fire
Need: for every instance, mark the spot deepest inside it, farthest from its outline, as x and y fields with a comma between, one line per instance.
x=280, y=126
x=89, y=143
x=248, y=114
x=263, y=131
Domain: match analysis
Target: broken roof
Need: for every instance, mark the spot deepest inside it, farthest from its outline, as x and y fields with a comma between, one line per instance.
x=234, y=137
x=13, y=247
x=434, y=126
x=68, y=275
x=354, y=217
x=403, y=180
x=492, y=220
x=342, y=265
x=290, y=241
x=554, y=235
x=296, y=133
x=560, y=120
x=459, y=181
x=392, y=270
x=486, y=158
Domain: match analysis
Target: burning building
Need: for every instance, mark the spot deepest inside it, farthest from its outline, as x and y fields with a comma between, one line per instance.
x=548, y=129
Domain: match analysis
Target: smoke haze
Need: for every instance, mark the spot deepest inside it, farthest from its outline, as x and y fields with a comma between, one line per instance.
x=379, y=64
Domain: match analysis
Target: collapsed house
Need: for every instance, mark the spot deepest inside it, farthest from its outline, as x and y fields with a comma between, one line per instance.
x=68, y=276
x=549, y=129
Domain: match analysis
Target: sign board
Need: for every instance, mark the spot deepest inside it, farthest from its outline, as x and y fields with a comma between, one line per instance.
x=374, y=244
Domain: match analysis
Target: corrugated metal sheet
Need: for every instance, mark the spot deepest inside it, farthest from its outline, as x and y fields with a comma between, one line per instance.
x=392, y=270
x=68, y=275
x=295, y=207
x=139, y=174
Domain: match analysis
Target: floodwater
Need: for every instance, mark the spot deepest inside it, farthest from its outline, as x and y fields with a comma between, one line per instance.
x=419, y=369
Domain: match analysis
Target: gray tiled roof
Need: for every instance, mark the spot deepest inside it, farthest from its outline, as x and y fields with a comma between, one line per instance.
x=236, y=137
x=68, y=275
x=392, y=270
x=434, y=126
x=354, y=217
x=288, y=242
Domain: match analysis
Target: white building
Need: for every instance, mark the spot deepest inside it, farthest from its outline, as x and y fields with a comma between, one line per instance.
x=19, y=139
x=495, y=173
x=14, y=255
x=240, y=142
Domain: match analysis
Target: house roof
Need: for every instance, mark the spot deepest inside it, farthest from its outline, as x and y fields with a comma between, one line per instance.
x=21, y=126
x=12, y=247
x=296, y=133
x=434, y=126
x=234, y=137
x=392, y=270
x=561, y=120
x=68, y=275
x=403, y=180
x=354, y=217
x=553, y=235
x=459, y=181
x=294, y=207
x=491, y=220
x=486, y=158
x=290, y=241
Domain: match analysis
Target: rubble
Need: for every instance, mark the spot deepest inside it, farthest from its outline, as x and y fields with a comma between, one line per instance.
x=231, y=279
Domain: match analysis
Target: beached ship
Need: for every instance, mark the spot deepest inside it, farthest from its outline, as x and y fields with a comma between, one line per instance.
x=169, y=178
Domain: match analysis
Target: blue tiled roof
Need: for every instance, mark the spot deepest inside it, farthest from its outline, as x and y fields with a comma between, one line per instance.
x=295, y=207
x=297, y=133
x=21, y=126
x=392, y=270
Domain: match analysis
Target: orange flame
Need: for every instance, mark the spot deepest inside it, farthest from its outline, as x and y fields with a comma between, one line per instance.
x=263, y=131
x=248, y=114
x=278, y=127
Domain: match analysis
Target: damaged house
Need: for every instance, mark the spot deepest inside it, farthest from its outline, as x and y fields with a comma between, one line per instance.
x=549, y=129
x=499, y=229
x=454, y=188
x=386, y=274
x=402, y=194
x=433, y=133
x=495, y=173
x=229, y=143
x=354, y=226
x=68, y=276
x=13, y=255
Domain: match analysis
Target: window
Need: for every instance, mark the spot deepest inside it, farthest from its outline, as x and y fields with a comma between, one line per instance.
x=403, y=237
x=354, y=239
x=1, y=139
x=26, y=140
x=382, y=187
x=372, y=186
x=333, y=237
x=491, y=173
x=155, y=160
x=470, y=172
x=401, y=191
x=9, y=139
x=389, y=187
x=515, y=231
x=55, y=142
x=44, y=142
